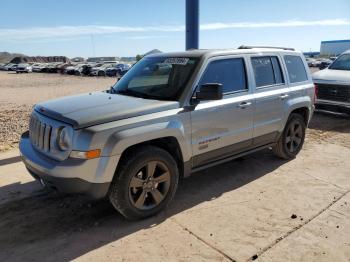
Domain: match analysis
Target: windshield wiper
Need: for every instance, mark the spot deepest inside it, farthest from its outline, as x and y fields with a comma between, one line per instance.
x=129, y=92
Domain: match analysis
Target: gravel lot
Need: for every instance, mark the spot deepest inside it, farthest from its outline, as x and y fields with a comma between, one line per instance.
x=255, y=207
x=19, y=92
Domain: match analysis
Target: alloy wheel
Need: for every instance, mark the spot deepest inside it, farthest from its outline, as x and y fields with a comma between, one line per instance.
x=150, y=185
x=294, y=136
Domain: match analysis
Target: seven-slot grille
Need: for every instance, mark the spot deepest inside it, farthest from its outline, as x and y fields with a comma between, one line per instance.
x=334, y=92
x=40, y=134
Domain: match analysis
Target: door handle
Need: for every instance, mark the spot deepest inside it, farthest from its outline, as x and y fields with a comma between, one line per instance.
x=283, y=96
x=244, y=105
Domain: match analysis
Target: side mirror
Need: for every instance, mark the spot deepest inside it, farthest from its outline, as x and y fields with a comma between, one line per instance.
x=210, y=91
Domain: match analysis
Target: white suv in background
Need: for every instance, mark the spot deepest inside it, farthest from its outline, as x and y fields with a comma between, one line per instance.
x=333, y=85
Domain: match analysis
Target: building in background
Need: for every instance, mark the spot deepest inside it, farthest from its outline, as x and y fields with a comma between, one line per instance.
x=334, y=48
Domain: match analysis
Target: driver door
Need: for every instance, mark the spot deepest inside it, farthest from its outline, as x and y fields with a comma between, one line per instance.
x=224, y=127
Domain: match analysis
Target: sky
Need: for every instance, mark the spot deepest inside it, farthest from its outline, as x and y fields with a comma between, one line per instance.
x=126, y=28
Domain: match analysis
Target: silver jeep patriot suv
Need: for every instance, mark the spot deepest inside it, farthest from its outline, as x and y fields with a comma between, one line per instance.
x=170, y=115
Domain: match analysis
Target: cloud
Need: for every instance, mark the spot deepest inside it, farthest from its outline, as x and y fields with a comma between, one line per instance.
x=75, y=31
x=143, y=37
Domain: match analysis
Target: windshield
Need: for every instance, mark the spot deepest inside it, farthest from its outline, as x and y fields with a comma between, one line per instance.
x=161, y=78
x=341, y=63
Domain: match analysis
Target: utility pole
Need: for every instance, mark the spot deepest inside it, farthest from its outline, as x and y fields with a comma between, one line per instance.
x=192, y=24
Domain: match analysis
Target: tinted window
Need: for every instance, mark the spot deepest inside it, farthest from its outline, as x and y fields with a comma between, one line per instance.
x=267, y=71
x=296, y=69
x=263, y=71
x=277, y=70
x=161, y=78
x=229, y=72
x=341, y=63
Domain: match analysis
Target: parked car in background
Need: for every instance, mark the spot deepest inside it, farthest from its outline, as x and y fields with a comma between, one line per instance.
x=100, y=70
x=10, y=67
x=117, y=70
x=62, y=67
x=310, y=62
x=2, y=66
x=333, y=85
x=325, y=63
x=81, y=69
x=71, y=70
x=38, y=67
x=86, y=69
x=23, y=68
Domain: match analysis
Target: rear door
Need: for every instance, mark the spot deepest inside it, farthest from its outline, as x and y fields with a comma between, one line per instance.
x=223, y=127
x=271, y=93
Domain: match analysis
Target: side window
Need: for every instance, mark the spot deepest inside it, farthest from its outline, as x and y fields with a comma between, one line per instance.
x=228, y=72
x=295, y=68
x=267, y=71
x=277, y=70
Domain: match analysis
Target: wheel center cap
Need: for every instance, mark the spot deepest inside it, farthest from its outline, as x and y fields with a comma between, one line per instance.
x=149, y=185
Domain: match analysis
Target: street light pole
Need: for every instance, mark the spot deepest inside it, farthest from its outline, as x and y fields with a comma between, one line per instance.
x=192, y=24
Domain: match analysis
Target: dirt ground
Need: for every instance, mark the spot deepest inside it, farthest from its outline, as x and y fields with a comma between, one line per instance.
x=19, y=92
x=255, y=208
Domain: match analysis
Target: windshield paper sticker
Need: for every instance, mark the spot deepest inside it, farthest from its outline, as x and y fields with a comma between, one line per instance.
x=176, y=61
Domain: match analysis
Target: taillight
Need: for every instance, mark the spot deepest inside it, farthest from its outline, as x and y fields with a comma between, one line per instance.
x=315, y=93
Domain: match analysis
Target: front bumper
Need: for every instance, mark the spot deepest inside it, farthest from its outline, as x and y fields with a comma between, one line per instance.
x=335, y=106
x=91, y=177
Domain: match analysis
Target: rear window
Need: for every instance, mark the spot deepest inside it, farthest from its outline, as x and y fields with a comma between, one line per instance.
x=267, y=71
x=295, y=68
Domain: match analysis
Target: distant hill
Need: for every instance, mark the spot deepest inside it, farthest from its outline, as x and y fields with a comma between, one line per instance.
x=6, y=57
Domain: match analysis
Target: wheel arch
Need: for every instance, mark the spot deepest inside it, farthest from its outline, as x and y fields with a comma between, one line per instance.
x=304, y=112
x=169, y=144
x=169, y=135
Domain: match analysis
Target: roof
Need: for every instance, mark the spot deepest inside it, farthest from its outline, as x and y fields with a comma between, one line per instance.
x=217, y=52
x=335, y=41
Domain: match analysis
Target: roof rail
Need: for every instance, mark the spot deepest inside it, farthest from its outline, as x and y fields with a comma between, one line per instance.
x=272, y=47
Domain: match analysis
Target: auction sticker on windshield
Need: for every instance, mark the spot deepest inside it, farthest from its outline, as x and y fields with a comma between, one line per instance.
x=176, y=61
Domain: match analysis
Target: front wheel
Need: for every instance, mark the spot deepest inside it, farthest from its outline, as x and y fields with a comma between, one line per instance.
x=292, y=139
x=145, y=183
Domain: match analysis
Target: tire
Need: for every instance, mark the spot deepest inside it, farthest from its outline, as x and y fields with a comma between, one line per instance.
x=101, y=73
x=140, y=201
x=290, y=142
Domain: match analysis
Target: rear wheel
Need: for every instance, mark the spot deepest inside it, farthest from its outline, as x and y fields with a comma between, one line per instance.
x=145, y=183
x=292, y=139
x=101, y=73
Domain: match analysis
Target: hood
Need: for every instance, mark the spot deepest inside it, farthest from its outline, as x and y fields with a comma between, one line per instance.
x=97, y=108
x=329, y=75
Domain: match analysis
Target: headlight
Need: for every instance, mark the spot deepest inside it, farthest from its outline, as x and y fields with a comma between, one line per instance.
x=64, y=139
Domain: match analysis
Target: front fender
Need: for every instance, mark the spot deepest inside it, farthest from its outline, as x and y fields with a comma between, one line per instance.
x=119, y=141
